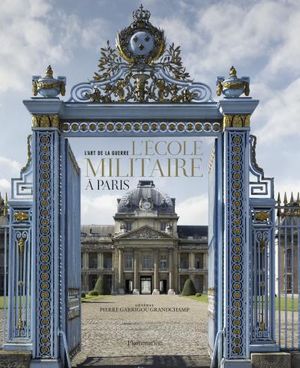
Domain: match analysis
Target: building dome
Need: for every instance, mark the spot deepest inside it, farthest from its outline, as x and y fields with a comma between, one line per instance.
x=146, y=198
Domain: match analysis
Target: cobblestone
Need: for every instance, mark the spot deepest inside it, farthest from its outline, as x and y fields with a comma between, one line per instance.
x=180, y=330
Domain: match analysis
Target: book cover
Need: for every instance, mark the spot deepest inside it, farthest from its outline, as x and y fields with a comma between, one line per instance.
x=140, y=191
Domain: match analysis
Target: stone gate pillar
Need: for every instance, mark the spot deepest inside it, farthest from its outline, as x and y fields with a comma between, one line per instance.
x=236, y=123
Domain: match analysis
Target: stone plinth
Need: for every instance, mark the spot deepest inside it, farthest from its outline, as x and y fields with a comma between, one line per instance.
x=271, y=360
x=295, y=358
x=155, y=292
x=14, y=359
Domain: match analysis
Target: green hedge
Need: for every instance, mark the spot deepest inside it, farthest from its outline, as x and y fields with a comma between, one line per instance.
x=188, y=288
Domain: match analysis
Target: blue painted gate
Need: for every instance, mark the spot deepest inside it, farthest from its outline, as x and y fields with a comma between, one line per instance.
x=71, y=259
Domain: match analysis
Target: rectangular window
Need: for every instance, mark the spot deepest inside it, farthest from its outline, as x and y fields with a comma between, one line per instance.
x=93, y=260
x=163, y=262
x=199, y=261
x=128, y=226
x=147, y=262
x=163, y=226
x=128, y=261
x=107, y=261
x=184, y=260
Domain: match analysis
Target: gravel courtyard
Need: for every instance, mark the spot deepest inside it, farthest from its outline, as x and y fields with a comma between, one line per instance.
x=143, y=325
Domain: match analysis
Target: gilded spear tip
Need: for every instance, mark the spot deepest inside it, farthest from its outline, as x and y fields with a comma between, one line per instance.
x=285, y=198
x=278, y=198
x=5, y=208
x=292, y=198
x=298, y=198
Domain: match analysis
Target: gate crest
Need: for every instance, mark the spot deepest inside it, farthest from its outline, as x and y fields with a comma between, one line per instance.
x=141, y=69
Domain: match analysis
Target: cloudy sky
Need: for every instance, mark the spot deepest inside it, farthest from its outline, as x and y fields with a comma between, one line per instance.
x=260, y=38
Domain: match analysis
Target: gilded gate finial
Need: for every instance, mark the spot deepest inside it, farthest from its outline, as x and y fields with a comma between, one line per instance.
x=48, y=86
x=233, y=87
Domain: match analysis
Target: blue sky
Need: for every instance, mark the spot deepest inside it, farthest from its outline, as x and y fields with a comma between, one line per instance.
x=260, y=38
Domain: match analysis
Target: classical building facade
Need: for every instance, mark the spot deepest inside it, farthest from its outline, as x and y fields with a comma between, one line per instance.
x=145, y=251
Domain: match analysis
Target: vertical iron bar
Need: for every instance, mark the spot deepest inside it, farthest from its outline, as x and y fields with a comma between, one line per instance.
x=255, y=282
x=285, y=285
x=292, y=277
x=267, y=322
x=5, y=319
x=279, y=274
x=298, y=268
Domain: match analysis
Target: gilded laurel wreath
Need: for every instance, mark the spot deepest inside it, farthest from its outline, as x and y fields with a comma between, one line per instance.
x=140, y=83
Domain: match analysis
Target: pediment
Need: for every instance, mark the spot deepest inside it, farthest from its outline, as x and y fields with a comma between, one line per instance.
x=145, y=233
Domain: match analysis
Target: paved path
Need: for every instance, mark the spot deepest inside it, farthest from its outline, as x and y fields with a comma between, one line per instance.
x=1, y=326
x=145, y=331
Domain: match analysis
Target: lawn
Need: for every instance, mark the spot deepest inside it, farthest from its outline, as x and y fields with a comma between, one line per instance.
x=92, y=298
x=1, y=302
x=202, y=299
x=290, y=304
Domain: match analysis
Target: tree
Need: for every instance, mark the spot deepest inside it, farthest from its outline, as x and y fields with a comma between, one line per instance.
x=188, y=288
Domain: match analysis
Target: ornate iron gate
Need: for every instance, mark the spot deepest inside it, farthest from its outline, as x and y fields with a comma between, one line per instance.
x=261, y=257
x=70, y=254
x=287, y=246
x=141, y=90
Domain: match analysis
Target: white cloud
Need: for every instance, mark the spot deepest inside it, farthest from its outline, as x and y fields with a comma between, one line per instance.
x=193, y=210
x=34, y=34
x=281, y=114
x=8, y=169
x=7, y=164
x=262, y=36
x=98, y=210
x=287, y=186
x=4, y=186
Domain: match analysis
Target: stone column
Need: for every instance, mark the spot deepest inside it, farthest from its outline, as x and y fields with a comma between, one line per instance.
x=100, y=261
x=136, y=277
x=121, y=272
x=171, y=273
x=86, y=282
x=205, y=261
x=205, y=283
x=155, y=274
x=191, y=261
x=86, y=260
